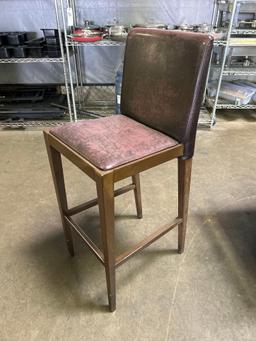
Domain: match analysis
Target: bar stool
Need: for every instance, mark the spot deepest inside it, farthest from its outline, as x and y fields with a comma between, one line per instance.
x=163, y=84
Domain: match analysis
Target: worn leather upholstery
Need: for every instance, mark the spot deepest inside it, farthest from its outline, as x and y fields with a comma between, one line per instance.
x=163, y=83
x=164, y=79
x=112, y=141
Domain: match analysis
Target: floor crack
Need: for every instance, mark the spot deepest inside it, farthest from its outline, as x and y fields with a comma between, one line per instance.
x=170, y=316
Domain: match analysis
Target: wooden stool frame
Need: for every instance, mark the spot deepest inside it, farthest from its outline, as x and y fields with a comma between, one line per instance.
x=105, y=192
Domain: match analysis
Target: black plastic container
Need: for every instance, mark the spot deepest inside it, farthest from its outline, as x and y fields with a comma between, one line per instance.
x=35, y=51
x=52, y=47
x=20, y=52
x=5, y=52
x=16, y=38
x=3, y=38
x=49, y=32
x=52, y=41
x=54, y=53
x=31, y=102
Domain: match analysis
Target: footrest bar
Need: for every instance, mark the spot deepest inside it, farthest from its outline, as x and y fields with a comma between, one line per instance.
x=94, y=202
x=93, y=247
x=146, y=242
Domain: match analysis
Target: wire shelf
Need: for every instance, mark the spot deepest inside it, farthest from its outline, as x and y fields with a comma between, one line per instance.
x=223, y=105
x=220, y=42
x=239, y=71
x=236, y=70
x=246, y=1
x=30, y=60
x=234, y=106
x=233, y=43
x=242, y=42
x=23, y=124
x=244, y=32
x=103, y=42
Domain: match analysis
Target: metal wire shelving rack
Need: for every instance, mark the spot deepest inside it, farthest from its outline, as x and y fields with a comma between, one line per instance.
x=62, y=59
x=73, y=63
x=30, y=60
x=23, y=124
x=230, y=42
x=35, y=123
x=103, y=42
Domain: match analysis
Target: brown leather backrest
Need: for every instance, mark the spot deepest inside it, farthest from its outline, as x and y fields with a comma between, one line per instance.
x=164, y=79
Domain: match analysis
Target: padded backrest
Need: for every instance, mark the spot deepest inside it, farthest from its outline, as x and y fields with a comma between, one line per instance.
x=164, y=79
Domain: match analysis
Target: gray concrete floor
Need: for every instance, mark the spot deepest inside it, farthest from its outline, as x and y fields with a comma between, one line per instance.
x=208, y=293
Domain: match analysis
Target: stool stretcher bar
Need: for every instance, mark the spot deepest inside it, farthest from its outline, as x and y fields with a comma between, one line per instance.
x=147, y=241
x=92, y=246
x=129, y=253
x=94, y=202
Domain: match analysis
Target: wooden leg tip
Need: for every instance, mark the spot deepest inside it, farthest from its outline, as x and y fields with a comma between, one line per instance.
x=139, y=216
x=71, y=251
x=112, y=308
x=112, y=304
x=180, y=250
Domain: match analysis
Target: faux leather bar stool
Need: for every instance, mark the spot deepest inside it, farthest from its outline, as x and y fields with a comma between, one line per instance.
x=163, y=83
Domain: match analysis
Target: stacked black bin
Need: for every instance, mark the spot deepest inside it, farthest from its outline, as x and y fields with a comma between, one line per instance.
x=17, y=45
x=52, y=41
x=12, y=45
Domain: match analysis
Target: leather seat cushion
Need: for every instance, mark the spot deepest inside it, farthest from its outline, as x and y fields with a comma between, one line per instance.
x=110, y=142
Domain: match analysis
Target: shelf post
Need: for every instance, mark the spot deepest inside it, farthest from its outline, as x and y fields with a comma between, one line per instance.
x=213, y=115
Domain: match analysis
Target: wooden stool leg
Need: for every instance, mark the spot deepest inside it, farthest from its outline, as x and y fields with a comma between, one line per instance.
x=105, y=191
x=137, y=194
x=58, y=179
x=184, y=176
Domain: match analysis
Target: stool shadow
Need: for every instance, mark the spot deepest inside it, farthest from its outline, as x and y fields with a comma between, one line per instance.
x=70, y=280
x=232, y=236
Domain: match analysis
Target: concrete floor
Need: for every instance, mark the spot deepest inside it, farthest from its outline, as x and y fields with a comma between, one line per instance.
x=206, y=294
